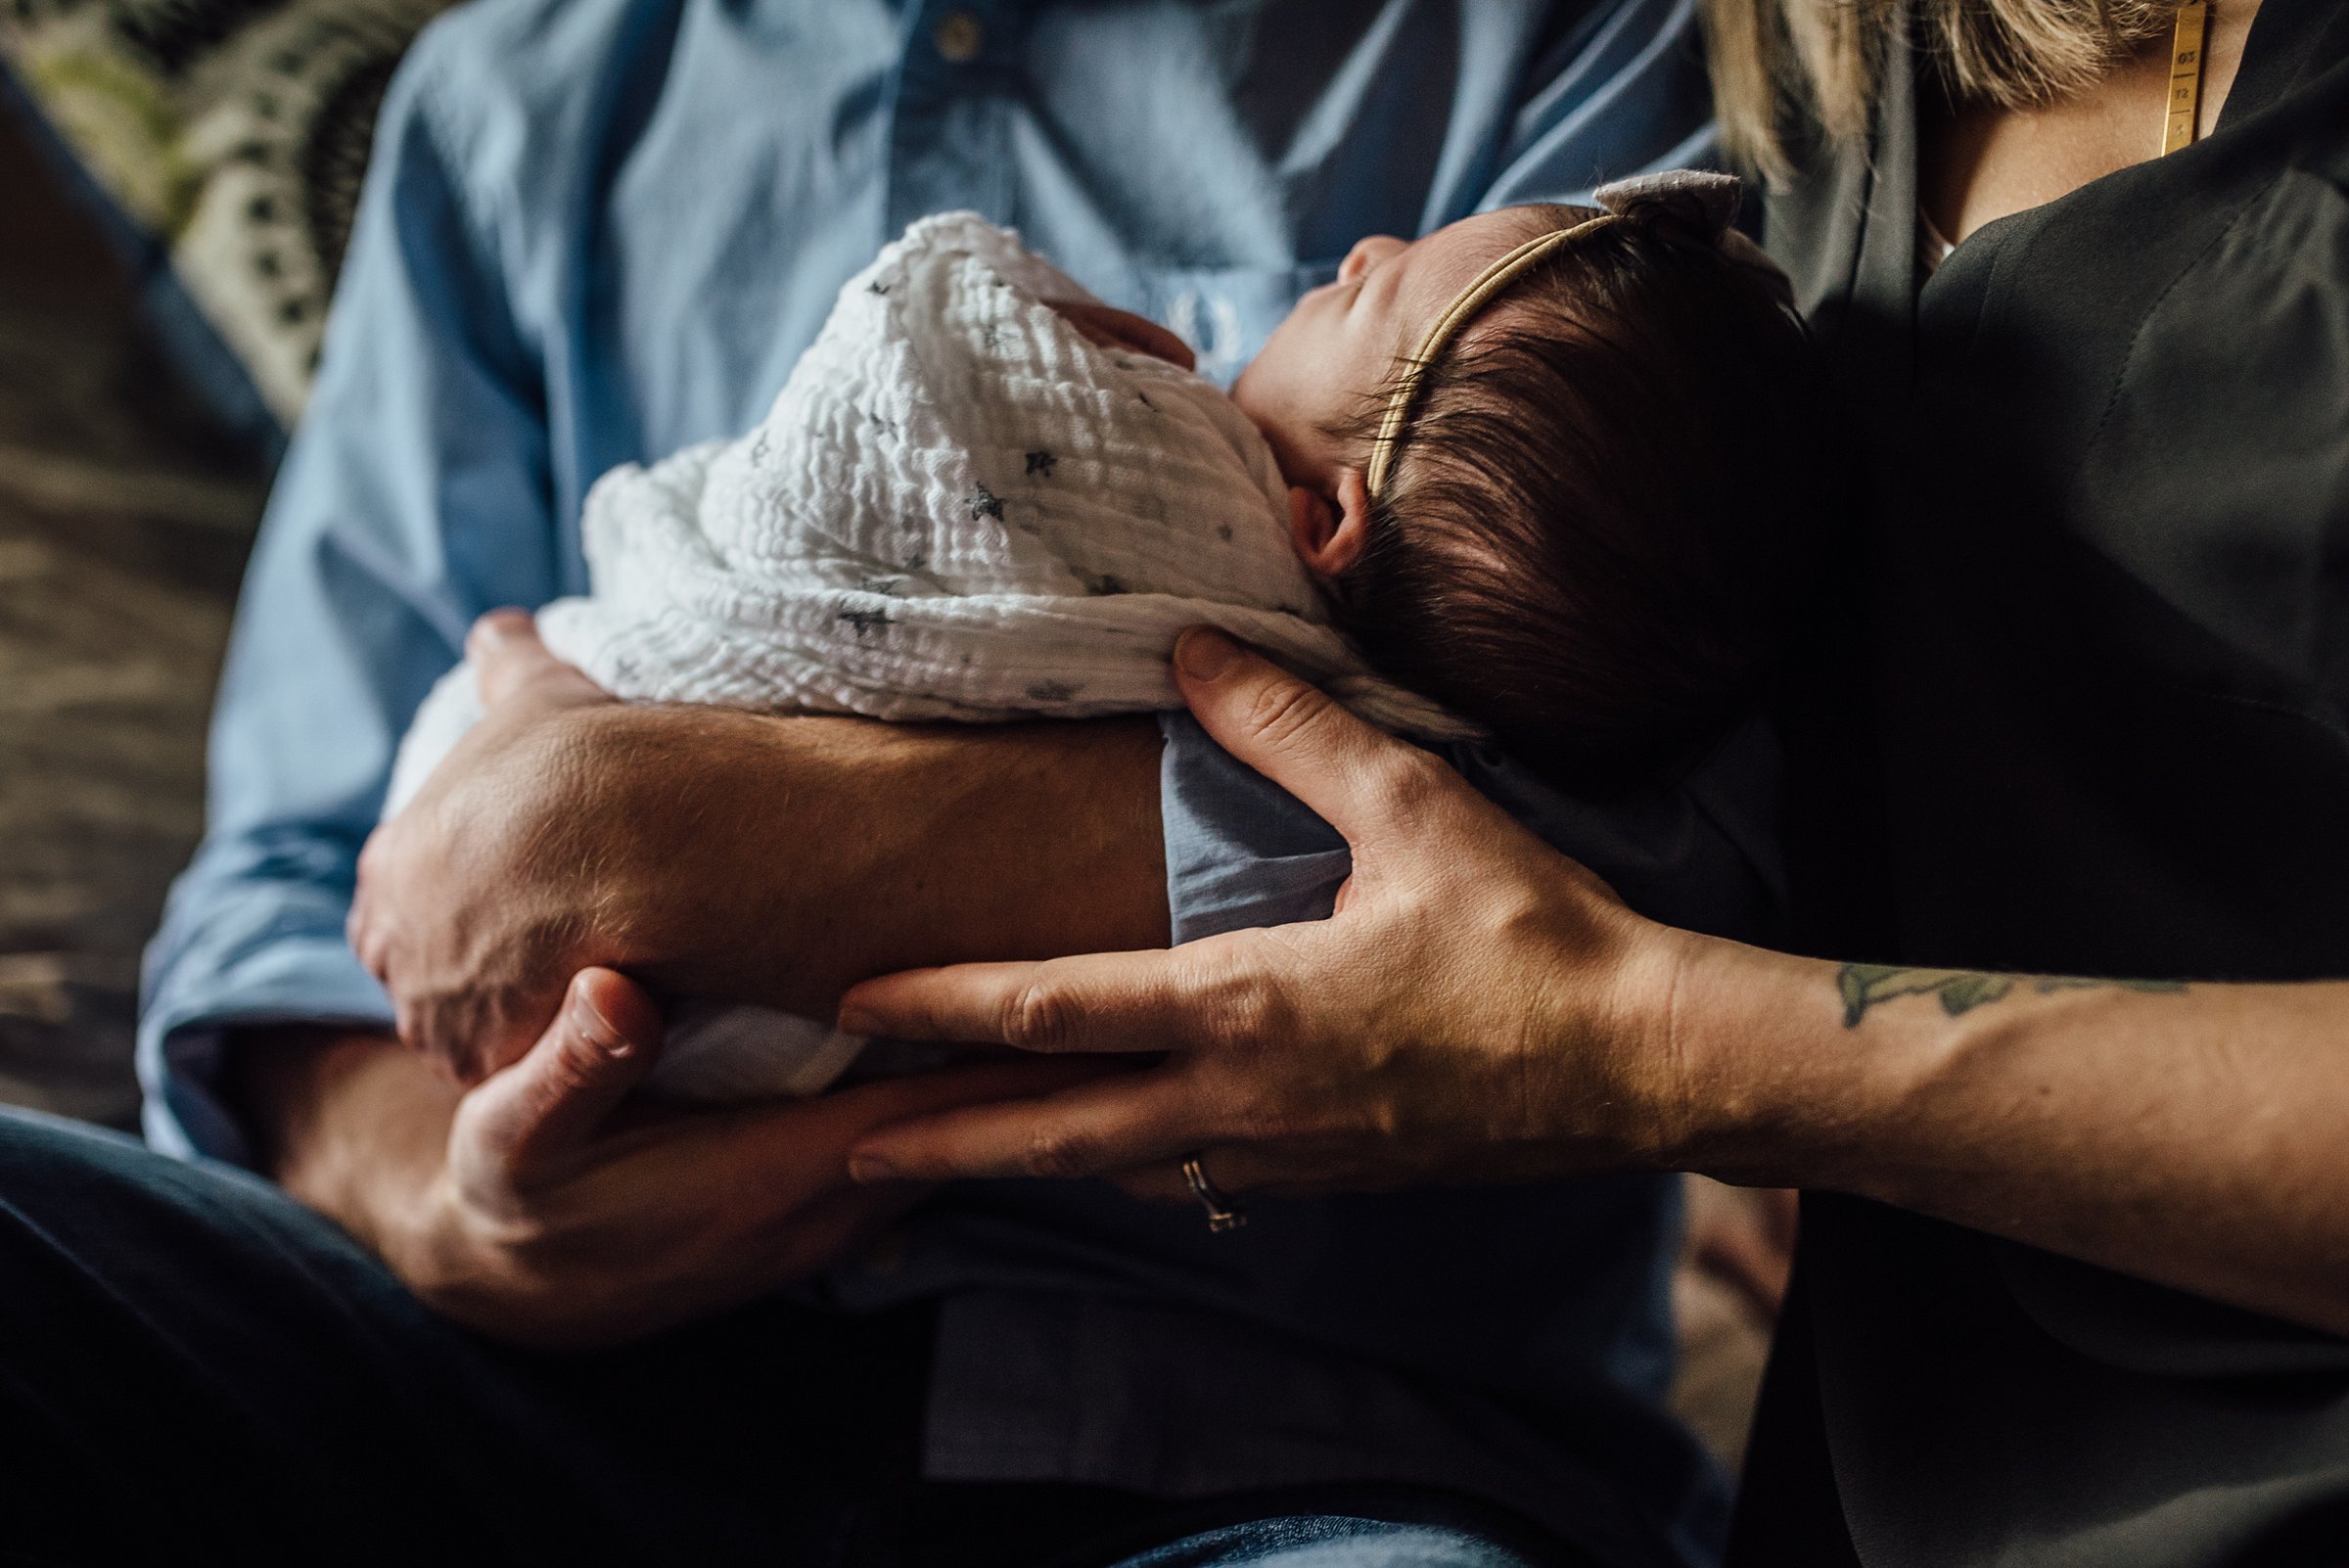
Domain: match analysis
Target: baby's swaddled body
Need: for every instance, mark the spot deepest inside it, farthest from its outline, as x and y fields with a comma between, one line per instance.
x=958, y=508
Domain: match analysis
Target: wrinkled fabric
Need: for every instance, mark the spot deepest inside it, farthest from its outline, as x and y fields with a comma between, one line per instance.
x=1323, y=1540
x=958, y=508
x=599, y=231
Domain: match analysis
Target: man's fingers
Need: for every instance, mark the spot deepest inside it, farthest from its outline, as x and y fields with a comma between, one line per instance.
x=1114, y=1001
x=1353, y=777
x=509, y=660
x=547, y=1104
x=1107, y=326
x=1110, y=1124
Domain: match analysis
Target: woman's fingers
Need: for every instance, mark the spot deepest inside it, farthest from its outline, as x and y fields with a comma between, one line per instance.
x=509, y=659
x=1112, y=1001
x=839, y=1119
x=546, y=1106
x=1109, y=1125
x=1355, y=778
x=1231, y=1170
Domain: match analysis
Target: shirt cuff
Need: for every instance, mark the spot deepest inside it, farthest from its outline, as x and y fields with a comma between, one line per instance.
x=274, y=955
x=1241, y=850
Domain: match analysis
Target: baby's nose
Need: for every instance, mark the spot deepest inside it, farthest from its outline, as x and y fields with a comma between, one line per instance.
x=1368, y=253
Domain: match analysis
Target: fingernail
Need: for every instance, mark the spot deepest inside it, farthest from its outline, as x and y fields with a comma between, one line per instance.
x=870, y=1168
x=1204, y=654
x=492, y=630
x=600, y=1032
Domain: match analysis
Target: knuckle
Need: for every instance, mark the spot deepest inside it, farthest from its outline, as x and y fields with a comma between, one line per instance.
x=576, y=1062
x=1059, y=1152
x=1281, y=710
x=1245, y=1010
x=1040, y=1017
x=1412, y=777
x=1259, y=1122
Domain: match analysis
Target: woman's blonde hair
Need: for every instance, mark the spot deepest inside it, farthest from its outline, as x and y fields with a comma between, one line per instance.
x=1776, y=61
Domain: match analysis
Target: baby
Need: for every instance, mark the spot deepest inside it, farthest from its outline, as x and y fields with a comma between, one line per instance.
x=1525, y=477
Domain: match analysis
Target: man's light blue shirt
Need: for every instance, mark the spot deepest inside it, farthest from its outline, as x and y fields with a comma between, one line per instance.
x=597, y=230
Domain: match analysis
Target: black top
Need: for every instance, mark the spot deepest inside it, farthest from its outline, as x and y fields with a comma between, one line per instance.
x=2081, y=710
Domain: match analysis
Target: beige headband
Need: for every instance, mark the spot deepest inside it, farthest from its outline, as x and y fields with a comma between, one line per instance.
x=1705, y=200
x=1463, y=308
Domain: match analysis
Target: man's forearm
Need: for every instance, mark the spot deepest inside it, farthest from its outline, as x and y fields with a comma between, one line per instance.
x=836, y=849
x=2189, y=1135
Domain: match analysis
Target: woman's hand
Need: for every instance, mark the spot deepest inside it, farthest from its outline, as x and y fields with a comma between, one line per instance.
x=537, y=1208
x=1478, y=1006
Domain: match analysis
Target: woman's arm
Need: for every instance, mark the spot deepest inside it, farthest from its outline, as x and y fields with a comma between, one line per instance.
x=1481, y=1007
x=2185, y=1134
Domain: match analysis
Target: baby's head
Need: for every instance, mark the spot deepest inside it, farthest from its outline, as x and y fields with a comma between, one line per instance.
x=1577, y=515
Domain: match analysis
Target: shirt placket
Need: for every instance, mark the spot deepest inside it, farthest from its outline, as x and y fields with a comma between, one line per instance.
x=949, y=132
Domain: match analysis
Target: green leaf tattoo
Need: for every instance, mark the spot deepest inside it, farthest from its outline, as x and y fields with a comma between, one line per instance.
x=1960, y=991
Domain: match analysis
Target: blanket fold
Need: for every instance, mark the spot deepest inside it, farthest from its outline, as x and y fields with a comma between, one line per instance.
x=958, y=508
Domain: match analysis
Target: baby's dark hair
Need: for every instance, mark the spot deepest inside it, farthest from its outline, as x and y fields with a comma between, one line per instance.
x=1599, y=512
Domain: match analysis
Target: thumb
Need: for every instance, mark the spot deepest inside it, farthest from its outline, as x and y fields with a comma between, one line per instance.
x=509, y=659
x=1356, y=778
x=547, y=1104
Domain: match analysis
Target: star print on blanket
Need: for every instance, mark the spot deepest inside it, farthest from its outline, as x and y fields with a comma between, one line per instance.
x=958, y=508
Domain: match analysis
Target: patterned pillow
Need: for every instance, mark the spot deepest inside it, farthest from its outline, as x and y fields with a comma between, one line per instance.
x=234, y=133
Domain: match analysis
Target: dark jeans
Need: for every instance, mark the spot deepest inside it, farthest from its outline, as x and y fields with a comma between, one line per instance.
x=193, y=1368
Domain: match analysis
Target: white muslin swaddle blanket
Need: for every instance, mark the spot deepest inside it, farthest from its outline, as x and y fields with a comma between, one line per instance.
x=958, y=508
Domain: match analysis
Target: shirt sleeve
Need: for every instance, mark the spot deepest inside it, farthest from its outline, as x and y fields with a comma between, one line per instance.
x=1703, y=854
x=414, y=496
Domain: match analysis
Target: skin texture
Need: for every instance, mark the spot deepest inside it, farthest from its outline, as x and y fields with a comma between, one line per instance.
x=568, y=830
x=533, y=1204
x=537, y=1208
x=1981, y=161
x=1481, y=1007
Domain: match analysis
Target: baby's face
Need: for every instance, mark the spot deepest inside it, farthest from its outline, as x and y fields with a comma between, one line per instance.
x=1338, y=347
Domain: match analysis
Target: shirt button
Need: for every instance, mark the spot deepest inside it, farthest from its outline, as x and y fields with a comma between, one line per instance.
x=958, y=38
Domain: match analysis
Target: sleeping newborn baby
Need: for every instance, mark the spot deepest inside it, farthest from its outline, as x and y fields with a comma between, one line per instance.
x=1521, y=479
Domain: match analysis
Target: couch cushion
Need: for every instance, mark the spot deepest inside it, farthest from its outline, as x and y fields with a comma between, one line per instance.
x=230, y=135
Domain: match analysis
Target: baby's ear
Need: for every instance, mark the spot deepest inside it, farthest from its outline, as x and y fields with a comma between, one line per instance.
x=1330, y=531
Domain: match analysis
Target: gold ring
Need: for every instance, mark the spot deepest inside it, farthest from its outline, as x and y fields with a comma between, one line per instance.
x=1222, y=1212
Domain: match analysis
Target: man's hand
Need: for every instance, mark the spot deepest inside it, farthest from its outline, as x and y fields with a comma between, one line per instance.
x=473, y=992
x=735, y=855
x=538, y=1210
x=1108, y=327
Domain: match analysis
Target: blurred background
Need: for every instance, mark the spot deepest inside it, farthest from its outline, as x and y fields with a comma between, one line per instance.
x=125, y=507
x=176, y=182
